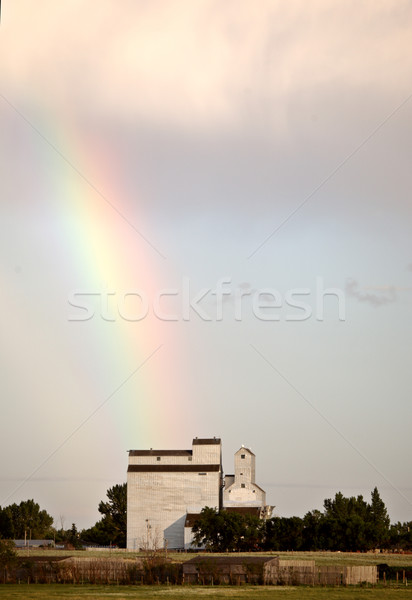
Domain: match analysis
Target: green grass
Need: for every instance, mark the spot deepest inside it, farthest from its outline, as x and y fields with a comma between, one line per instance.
x=88, y=592
x=321, y=558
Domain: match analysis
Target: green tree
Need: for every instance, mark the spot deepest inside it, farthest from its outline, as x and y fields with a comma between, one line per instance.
x=400, y=536
x=73, y=537
x=314, y=531
x=27, y=518
x=207, y=529
x=284, y=533
x=6, y=525
x=253, y=533
x=353, y=524
x=112, y=528
x=379, y=521
x=8, y=554
x=226, y=530
x=347, y=524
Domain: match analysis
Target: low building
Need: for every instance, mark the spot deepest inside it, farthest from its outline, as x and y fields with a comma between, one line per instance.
x=270, y=570
x=230, y=569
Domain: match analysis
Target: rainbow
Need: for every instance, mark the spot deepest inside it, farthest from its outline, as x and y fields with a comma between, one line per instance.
x=111, y=257
x=96, y=251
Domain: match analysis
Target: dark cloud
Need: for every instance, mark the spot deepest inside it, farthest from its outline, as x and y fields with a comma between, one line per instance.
x=388, y=295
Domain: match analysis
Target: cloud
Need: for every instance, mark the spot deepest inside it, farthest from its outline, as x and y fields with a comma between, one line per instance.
x=388, y=288
x=388, y=296
x=205, y=62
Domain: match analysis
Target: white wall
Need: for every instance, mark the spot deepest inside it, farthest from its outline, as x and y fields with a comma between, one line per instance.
x=157, y=501
x=243, y=491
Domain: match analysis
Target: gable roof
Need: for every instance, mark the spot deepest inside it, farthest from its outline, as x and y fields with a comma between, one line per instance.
x=243, y=448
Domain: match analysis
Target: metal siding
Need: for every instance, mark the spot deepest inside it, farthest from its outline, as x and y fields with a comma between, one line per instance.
x=160, y=495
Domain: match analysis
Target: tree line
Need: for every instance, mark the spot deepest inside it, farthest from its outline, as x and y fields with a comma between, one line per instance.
x=346, y=524
x=27, y=521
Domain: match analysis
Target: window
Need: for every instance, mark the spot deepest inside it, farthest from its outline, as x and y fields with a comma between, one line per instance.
x=202, y=473
x=157, y=457
x=189, y=458
x=242, y=485
x=243, y=456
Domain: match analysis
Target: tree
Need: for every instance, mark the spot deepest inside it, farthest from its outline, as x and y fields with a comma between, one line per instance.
x=73, y=537
x=25, y=518
x=253, y=533
x=314, y=531
x=6, y=524
x=112, y=528
x=207, y=529
x=224, y=530
x=284, y=533
x=8, y=555
x=400, y=536
x=346, y=524
x=379, y=521
x=218, y=531
x=353, y=524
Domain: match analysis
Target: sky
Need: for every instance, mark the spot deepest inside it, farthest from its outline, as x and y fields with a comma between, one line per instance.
x=205, y=225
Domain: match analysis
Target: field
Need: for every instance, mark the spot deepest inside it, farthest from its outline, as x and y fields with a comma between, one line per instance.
x=88, y=592
x=321, y=558
x=243, y=592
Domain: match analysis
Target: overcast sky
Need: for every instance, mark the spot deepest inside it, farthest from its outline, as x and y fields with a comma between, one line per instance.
x=183, y=148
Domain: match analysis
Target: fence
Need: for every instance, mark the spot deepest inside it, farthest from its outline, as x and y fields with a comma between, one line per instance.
x=306, y=573
x=129, y=572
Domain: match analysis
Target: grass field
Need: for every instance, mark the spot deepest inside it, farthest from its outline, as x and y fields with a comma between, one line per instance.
x=88, y=592
x=321, y=558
